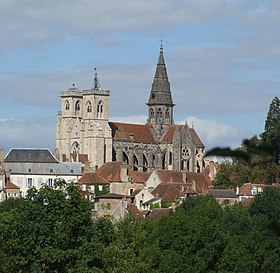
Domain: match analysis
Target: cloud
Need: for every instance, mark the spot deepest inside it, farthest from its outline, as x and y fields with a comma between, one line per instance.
x=27, y=23
x=216, y=134
x=27, y=133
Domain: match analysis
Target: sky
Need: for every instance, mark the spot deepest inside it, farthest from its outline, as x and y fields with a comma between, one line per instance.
x=222, y=58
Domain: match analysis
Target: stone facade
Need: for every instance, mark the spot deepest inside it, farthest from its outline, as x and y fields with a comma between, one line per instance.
x=84, y=132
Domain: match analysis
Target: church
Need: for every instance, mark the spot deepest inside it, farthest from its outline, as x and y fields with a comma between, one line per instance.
x=85, y=134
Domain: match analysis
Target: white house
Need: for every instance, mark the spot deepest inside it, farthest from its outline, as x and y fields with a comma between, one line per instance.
x=28, y=168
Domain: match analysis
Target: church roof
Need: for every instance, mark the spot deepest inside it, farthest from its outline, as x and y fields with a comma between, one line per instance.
x=160, y=92
x=132, y=132
x=169, y=134
x=31, y=156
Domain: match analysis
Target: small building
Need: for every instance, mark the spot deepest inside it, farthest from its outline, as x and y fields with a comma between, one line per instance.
x=92, y=184
x=249, y=190
x=11, y=190
x=223, y=196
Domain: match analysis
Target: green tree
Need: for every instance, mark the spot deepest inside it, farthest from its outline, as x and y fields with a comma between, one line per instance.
x=49, y=231
x=272, y=124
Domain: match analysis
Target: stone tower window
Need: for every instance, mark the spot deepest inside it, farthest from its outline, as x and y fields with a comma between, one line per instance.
x=152, y=115
x=100, y=109
x=67, y=105
x=77, y=106
x=159, y=114
x=89, y=107
x=167, y=115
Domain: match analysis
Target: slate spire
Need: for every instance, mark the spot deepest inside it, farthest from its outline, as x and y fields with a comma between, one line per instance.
x=160, y=102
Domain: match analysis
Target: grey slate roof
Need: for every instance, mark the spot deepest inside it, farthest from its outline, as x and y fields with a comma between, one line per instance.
x=218, y=193
x=30, y=155
x=58, y=168
x=160, y=93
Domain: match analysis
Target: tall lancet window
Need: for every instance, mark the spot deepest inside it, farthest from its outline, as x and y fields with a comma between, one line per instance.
x=100, y=109
x=89, y=107
x=77, y=107
x=67, y=105
x=152, y=115
x=167, y=115
x=159, y=114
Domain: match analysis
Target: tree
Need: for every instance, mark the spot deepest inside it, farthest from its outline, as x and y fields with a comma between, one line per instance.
x=49, y=231
x=271, y=134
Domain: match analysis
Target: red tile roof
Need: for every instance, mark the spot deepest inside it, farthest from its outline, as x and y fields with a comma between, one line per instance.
x=159, y=212
x=168, y=192
x=246, y=189
x=111, y=171
x=196, y=138
x=135, y=211
x=11, y=186
x=202, y=180
x=92, y=178
x=133, y=132
x=169, y=134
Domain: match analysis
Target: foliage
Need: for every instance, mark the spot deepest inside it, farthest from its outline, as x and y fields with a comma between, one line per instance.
x=98, y=192
x=271, y=134
x=52, y=231
x=254, y=164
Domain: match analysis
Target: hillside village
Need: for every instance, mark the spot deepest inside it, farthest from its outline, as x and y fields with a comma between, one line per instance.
x=144, y=169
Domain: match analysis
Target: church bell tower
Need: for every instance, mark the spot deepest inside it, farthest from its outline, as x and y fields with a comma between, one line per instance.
x=160, y=104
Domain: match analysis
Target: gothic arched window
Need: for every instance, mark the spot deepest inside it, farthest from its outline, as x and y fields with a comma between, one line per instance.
x=159, y=113
x=152, y=113
x=100, y=109
x=77, y=106
x=67, y=105
x=167, y=114
x=89, y=107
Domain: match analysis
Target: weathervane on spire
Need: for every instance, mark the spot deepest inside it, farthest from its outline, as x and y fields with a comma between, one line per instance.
x=161, y=41
x=95, y=81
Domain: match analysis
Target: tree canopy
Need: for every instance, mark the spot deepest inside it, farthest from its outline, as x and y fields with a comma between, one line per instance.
x=52, y=230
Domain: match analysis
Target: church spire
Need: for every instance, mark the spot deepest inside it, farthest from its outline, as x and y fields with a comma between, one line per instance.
x=160, y=102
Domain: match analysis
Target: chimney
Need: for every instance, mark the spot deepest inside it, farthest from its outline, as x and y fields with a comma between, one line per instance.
x=124, y=173
x=237, y=190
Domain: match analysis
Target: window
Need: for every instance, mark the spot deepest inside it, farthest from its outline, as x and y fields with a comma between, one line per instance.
x=100, y=109
x=29, y=182
x=67, y=105
x=89, y=107
x=152, y=113
x=159, y=113
x=50, y=182
x=77, y=106
x=167, y=115
x=51, y=170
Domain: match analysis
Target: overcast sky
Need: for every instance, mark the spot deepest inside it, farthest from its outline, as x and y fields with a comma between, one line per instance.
x=222, y=57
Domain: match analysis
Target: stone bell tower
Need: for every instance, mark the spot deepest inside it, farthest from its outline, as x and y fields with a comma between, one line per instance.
x=160, y=104
x=82, y=129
